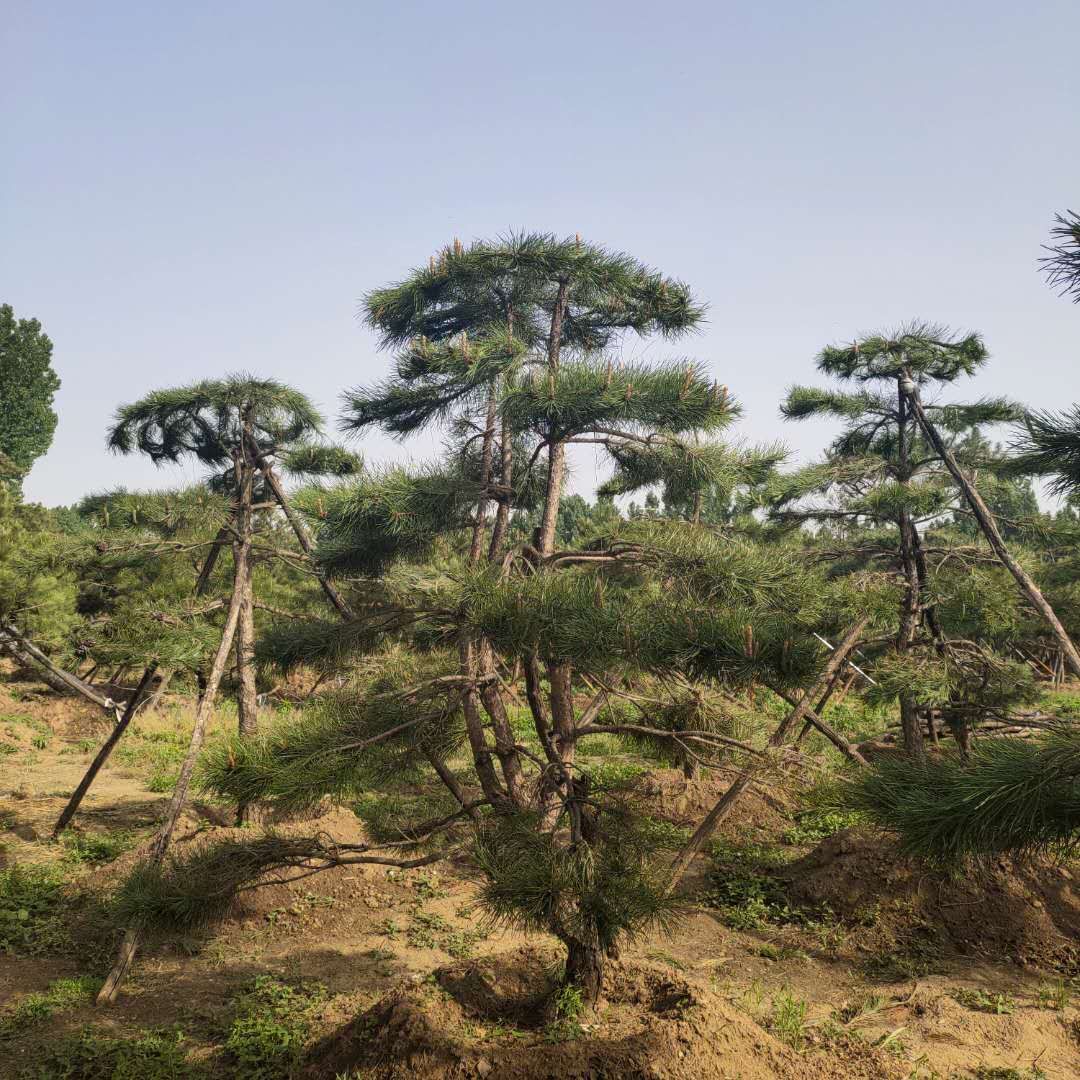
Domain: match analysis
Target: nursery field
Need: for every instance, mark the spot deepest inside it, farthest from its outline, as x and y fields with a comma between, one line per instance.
x=739, y=767
x=809, y=948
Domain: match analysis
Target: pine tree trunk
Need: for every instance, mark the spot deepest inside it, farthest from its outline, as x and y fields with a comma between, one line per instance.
x=130, y=944
x=506, y=479
x=247, y=700
x=911, y=601
x=329, y=590
x=55, y=677
x=556, y=447
x=487, y=452
x=585, y=970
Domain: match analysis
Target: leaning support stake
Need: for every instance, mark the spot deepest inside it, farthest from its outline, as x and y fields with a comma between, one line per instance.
x=133, y=935
x=802, y=711
x=104, y=752
x=989, y=527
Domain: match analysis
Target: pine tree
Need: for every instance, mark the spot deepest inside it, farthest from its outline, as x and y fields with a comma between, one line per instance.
x=453, y=637
x=883, y=482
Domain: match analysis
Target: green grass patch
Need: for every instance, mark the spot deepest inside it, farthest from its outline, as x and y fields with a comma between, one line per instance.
x=813, y=826
x=59, y=996
x=30, y=908
x=94, y=849
x=984, y=1001
x=272, y=1022
x=88, y=1055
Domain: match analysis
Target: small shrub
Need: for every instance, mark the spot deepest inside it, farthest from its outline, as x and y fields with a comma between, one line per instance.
x=567, y=1008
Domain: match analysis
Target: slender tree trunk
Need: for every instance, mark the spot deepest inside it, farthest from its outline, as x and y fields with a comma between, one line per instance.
x=720, y=811
x=129, y=946
x=556, y=447
x=487, y=452
x=911, y=601
x=247, y=699
x=329, y=590
x=506, y=479
x=990, y=530
x=103, y=754
x=474, y=726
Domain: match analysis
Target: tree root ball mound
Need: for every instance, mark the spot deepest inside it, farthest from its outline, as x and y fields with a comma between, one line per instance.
x=486, y=1018
x=1025, y=910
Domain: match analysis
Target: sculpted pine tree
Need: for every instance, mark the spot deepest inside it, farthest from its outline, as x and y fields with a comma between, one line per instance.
x=884, y=480
x=449, y=643
x=238, y=428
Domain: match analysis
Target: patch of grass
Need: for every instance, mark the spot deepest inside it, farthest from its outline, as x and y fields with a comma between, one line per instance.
x=162, y=782
x=813, y=826
x=983, y=1001
x=1004, y=1072
x=59, y=996
x=1056, y=995
x=94, y=849
x=30, y=905
x=788, y=1020
x=768, y=951
x=609, y=775
x=430, y=931
x=88, y=1055
x=8, y=748
x=271, y=1024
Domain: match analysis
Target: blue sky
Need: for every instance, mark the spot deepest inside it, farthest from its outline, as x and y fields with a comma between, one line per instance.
x=195, y=188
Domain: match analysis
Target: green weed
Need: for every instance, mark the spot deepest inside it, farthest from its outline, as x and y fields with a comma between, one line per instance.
x=567, y=1008
x=813, y=826
x=271, y=1024
x=88, y=1055
x=983, y=1001
x=788, y=1021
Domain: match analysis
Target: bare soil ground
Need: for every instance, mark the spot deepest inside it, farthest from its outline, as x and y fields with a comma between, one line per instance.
x=850, y=962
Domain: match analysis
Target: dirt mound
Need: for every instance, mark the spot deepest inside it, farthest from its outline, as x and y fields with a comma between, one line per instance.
x=1028, y=911
x=668, y=794
x=482, y=1018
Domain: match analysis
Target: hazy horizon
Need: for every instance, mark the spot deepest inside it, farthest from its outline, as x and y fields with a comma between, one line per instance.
x=195, y=190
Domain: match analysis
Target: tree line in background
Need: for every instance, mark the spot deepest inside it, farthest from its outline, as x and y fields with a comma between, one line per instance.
x=467, y=624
